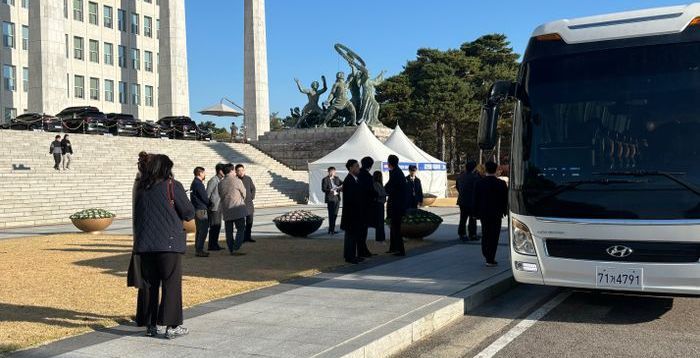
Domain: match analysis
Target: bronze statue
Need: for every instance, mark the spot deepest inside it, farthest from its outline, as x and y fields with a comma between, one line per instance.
x=370, y=106
x=338, y=103
x=311, y=109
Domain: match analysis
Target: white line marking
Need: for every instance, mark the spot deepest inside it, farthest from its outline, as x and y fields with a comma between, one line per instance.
x=523, y=326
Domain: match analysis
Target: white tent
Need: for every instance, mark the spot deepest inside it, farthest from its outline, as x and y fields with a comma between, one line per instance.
x=362, y=144
x=432, y=172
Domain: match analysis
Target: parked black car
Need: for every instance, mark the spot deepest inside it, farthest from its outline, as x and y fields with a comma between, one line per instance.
x=122, y=124
x=38, y=121
x=180, y=127
x=84, y=120
x=152, y=129
x=204, y=133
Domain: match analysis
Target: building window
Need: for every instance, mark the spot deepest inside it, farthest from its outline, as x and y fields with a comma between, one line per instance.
x=122, y=56
x=148, y=1
x=135, y=59
x=135, y=94
x=149, y=96
x=134, y=23
x=109, y=90
x=10, y=114
x=25, y=37
x=94, y=51
x=108, y=16
x=94, y=88
x=78, y=48
x=67, y=85
x=9, y=2
x=92, y=13
x=25, y=4
x=25, y=79
x=148, y=60
x=157, y=28
x=9, y=76
x=122, y=93
x=79, y=87
x=148, y=26
x=78, y=10
x=121, y=20
x=109, y=54
x=67, y=47
x=8, y=34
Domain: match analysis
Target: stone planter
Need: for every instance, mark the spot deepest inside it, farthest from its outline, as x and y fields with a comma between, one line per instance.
x=189, y=226
x=92, y=225
x=418, y=230
x=298, y=228
x=429, y=200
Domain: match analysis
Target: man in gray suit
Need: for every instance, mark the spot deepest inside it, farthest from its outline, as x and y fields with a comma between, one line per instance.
x=233, y=210
x=249, y=197
x=214, y=212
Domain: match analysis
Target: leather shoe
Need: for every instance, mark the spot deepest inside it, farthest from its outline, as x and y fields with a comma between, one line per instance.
x=251, y=240
x=219, y=248
x=390, y=252
x=353, y=261
x=399, y=254
x=202, y=254
x=236, y=253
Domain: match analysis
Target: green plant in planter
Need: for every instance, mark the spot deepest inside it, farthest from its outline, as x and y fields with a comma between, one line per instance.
x=297, y=216
x=418, y=216
x=92, y=214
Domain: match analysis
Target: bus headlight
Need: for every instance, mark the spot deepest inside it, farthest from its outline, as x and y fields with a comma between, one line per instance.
x=522, y=239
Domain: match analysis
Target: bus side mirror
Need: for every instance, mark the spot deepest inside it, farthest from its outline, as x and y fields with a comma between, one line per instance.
x=488, y=124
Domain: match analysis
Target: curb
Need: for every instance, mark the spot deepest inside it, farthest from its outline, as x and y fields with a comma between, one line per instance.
x=400, y=333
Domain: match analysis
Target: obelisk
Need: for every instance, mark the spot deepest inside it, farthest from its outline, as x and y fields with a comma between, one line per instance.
x=173, y=90
x=256, y=97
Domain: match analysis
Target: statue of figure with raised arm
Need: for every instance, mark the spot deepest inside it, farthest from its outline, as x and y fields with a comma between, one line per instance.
x=311, y=111
x=339, y=104
x=370, y=106
x=355, y=85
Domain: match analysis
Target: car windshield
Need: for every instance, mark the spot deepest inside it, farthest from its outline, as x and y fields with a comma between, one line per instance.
x=627, y=115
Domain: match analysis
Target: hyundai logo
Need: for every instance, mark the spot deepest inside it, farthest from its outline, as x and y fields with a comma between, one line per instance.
x=619, y=251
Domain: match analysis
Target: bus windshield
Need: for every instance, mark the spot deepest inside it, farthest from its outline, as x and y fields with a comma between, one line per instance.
x=610, y=134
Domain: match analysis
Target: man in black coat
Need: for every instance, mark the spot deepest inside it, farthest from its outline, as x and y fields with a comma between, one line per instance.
x=353, y=219
x=465, y=187
x=331, y=186
x=368, y=196
x=414, y=184
x=397, y=203
x=67, y=149
x=491, y=204
x=200, y=202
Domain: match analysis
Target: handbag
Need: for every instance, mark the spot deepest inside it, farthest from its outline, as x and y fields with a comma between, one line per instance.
x=201, y=215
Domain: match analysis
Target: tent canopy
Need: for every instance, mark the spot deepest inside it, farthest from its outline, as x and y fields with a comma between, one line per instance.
x=362, y=143
x=431, y=171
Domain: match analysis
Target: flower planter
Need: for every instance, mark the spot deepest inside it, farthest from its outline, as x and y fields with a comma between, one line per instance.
x=92, y=225
x=418, y=230
x=429, y=199
x=189, y=226
x=299, y=223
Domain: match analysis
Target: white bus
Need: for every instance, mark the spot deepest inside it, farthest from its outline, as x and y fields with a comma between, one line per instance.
x=605, y=162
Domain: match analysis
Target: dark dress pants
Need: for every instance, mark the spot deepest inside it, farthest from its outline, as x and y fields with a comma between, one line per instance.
x=214, y=229
x=361, y=242
x=490, y=233
x=248, y=228
x=202, y=226
x=160, y=269
x=395, y=238
x=463, y=229
x=57, y=160
x=350, y=244
x=235, y=243
x=333, y=207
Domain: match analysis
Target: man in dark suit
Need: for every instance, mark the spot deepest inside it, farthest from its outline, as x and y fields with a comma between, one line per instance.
x=416, y=188
x=465, y=187
x=332, y=186
x=200, y=202
x=397, y=203
x=491, y=204
x=353, y=218
x=368, y=196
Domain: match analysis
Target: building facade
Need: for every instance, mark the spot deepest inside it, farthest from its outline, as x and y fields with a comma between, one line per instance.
x=102, y=53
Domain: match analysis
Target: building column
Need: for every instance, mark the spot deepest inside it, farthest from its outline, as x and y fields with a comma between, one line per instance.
x=48, y=66
x=256, y=98
x=173, y=90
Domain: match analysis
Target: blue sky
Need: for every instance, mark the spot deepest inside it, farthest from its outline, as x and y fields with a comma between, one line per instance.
x=386, y=33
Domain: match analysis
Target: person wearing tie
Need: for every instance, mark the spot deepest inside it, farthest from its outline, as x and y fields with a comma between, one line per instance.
x=353, y=219
x=332, y=186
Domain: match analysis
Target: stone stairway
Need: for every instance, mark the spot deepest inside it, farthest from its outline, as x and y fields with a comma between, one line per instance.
x=103, y=170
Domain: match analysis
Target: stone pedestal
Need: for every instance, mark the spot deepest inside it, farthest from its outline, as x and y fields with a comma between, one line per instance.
x=296, y=148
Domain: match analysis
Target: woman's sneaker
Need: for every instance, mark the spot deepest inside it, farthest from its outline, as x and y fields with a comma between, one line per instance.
x=172, y=333
x=154, y=331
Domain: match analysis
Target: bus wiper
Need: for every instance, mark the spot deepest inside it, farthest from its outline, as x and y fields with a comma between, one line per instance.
x=566, y=186
x=673, y=176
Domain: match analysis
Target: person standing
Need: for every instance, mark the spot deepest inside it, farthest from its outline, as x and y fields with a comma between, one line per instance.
x=353, y=217
x=67, y=150
x=465, y=188
x=160, y=206
x=57, y=150
x=378, y=207
x=214, y=213
x=416, y=188
x=200, y=201
x=491, y=205
x=233, y=209
x=249, y=197
x=234, y=132
x=331, y=187
x=368, y=195
x=397, y=203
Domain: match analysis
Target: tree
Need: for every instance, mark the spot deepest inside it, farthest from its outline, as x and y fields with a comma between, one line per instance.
x=437, y=98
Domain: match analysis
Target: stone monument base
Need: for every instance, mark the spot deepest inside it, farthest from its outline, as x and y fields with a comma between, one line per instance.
x=296, y=148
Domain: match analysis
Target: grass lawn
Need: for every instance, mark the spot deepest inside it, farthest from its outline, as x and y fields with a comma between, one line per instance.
x=53, y=287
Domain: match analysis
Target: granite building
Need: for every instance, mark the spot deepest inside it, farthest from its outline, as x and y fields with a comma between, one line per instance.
x=123, y=56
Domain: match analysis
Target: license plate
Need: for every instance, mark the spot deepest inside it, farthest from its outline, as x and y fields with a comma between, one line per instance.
x=614, y=277
x=128, y=126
